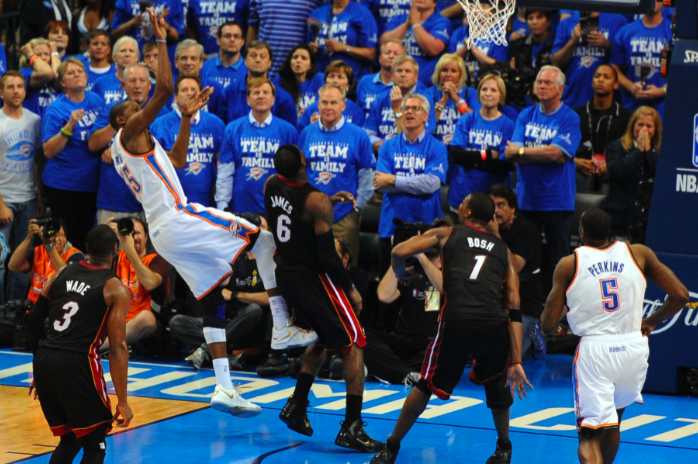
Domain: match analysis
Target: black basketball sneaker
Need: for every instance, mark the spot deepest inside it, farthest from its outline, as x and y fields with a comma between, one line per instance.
x=353, y=436
x=295, y=417
x=502, y=455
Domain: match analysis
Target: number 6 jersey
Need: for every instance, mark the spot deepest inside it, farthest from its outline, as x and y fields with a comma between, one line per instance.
x=607, y=293
x=78, y=313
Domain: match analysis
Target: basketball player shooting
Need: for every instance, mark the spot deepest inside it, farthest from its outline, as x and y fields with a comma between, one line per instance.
x=603, y=284
x=201, y=243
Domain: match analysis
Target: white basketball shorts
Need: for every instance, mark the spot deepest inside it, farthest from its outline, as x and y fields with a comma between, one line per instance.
x=608, y=374
x=202, y=244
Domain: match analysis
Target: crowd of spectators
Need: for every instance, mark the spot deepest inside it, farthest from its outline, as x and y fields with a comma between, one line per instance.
x=387, y=101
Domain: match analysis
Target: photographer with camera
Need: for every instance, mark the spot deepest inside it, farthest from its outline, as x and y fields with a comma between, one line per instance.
x=45, y=260
x=396, y=356
x=143, y=272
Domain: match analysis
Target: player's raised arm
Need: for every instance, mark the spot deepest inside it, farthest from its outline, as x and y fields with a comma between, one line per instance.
x=164, y=84
x=555, y=304
x=118, y=299
x=665, y=279
x=178, y=154
x=516, y=377
x=432, y=239
x=39, y=313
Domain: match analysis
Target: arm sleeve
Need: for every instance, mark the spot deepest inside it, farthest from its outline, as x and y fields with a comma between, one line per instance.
x=224, y=185
x=365, y=190
x=35, y=322
x=420, y=184
x=330, y=261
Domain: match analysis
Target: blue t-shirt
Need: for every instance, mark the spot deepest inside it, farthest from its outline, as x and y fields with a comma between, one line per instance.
x=547, y=186
x=635, y=46
x=352, y=113
x=215, y=101
x=519, y=26
x=198, y=177
x=381, y=119
x=489, y=48
x=438, y=27
x=109, y=88
x=446, y=125
x=385, y=10
x=367, y=91
x=234, y=104
x=252, y=151
x=38, y=100
x=75, y=168
x=309, y=90
x=126, y=10
x=399, y=157
x=214, y=70
x=205, y=16
x=473, y=132
x=334, y=159
x=93, y=75
x=353, y=27
x=582, y=66
x=3, y=60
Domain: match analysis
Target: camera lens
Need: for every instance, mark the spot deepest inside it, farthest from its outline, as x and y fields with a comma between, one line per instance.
x=125, y=226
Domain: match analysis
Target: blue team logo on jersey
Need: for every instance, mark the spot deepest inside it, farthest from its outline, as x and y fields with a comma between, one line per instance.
x=256, y=173
x=325, y=177
x=195, y=168
x=695, y=140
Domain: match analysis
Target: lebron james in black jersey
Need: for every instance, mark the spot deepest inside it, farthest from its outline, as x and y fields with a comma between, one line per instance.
x=84, y=303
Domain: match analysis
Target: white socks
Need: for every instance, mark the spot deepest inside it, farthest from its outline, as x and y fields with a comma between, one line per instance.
x=279, y=312
x=220, y=366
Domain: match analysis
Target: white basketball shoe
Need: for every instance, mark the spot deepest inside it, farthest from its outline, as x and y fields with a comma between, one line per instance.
x=230, y=401
x=292, y=336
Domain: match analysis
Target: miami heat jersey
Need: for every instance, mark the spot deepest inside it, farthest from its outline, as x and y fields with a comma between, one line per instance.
x=607, y=293
x=151, y=177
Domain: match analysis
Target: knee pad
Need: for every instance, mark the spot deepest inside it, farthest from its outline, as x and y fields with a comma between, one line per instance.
x=214, y=309
x=214, y=335
x=264, y=249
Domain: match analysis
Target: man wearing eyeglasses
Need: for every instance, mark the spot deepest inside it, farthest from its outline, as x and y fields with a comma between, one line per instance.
x=546, y=137
x=411, y=167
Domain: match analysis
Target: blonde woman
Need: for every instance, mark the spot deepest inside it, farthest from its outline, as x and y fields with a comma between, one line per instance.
x=450, y=96
x=37, y=66
x=632, y=160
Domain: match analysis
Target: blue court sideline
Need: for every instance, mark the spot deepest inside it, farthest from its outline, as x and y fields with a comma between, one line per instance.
x=663, y=430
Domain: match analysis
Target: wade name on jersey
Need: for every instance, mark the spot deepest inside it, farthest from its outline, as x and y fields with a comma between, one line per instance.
x=606, y=267
x=76, y=287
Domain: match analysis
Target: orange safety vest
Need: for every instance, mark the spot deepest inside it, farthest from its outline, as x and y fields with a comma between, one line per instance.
x=43, y=270
x=140, y=297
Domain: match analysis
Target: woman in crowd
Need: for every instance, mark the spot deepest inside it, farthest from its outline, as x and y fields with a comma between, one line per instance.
x=425, y=34
x=344, y=30
x=340, y=73
x=59, y=32
x=39, y=68
x=299, y=77
x=478, y=142
x=72, y=171
x=91, y=15
x=450, y=96
x=631, y=161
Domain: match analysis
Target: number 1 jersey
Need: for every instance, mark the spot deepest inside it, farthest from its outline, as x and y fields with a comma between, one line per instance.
x=78, y=313
x=607, y=294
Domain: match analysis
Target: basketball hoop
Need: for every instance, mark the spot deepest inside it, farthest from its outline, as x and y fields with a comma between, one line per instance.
x=487, y=19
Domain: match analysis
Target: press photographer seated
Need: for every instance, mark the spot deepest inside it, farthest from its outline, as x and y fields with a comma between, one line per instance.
x=397, y=356
x=44, y=260
x=144, y=273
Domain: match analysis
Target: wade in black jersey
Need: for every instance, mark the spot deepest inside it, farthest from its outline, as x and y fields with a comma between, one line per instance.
x=296, y=242
x=475, y=265
x=78, y=313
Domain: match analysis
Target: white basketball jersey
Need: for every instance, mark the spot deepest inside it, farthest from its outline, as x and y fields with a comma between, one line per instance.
x=152, y=178
x=607, y=293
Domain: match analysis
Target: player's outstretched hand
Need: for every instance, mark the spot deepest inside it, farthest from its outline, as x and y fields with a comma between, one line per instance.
x=343, y=197
x=517, y=381
x=123, y=415
x=32, y=388
x=158, y=24
x=194, y=103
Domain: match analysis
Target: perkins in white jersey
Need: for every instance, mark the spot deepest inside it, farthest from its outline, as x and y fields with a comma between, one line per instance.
x=201, y=243
x=603, y=286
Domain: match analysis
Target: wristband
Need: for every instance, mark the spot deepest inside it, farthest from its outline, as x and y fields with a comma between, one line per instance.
x=49, y=246
x=483, y=154
x=462, y=106
x=439, y=107
x=33, y=59
x=515, y=315
x=415, y=26
x=511, y=361
x=162, y=41
x=66, y=133
x=56, y=54
x=188, y=116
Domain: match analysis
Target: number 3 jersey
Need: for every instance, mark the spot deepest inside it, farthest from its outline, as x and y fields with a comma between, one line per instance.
x=78, y=313
x=607, y=293
x=474, y=265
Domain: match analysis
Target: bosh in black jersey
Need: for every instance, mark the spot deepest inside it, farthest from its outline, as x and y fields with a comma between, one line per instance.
x=480, y=316
x=84, y=303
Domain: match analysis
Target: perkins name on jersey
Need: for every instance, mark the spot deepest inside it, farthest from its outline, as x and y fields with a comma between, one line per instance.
x=605, y=267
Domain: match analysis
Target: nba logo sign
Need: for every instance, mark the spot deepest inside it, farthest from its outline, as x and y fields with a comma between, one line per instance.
x=695, y=140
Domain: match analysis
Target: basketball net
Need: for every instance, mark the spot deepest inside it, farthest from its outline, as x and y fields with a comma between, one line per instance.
x=487, y=19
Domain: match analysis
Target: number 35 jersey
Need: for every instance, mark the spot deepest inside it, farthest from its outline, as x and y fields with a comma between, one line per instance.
x=607, y=293
x=78, y=313
x=474, y=265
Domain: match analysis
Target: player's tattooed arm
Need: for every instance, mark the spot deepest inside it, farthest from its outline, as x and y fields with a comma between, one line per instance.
x=433, y=239
x=555, y=304
x=665, y=279
x=118, y=298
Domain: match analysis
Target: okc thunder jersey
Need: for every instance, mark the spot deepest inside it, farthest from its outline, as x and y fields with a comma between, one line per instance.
x=151, y=177
x=607, y=293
